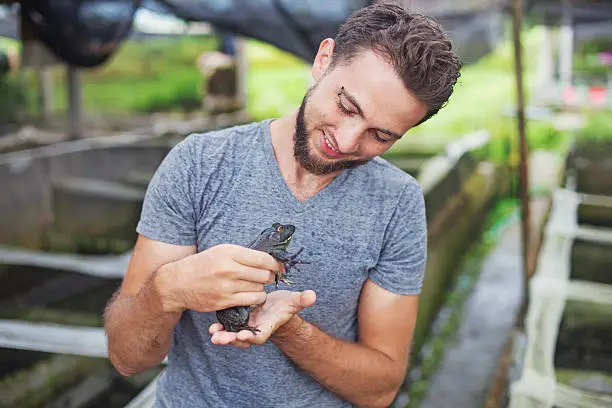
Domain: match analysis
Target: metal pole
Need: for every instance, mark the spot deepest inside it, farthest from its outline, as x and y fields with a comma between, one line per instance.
x=517, y=12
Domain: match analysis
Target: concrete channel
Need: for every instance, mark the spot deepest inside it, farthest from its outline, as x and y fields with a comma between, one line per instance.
x=567, y=359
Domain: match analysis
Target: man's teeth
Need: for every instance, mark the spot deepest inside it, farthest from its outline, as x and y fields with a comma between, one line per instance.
x=330, y=145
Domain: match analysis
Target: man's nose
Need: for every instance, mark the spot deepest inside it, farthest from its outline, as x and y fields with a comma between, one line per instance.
x=348, y=139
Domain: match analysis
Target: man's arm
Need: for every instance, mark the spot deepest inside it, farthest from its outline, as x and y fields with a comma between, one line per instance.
x=367, y=373
x=163, y=280
x=138, y=328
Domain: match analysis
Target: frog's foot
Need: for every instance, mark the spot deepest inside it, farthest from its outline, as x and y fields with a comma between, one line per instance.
x=281, y=277
x=291, y=262
x=253, y=330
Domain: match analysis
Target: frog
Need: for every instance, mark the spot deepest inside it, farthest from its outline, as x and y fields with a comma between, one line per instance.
x=273, y=240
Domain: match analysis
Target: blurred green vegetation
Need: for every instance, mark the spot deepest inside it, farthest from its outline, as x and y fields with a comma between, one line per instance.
x=276, y=81
x=13, y=96
x=144, y=77
x=12, y=99
x=587, y=63
x=484, y=94
x=160, y=75
x=598, y=126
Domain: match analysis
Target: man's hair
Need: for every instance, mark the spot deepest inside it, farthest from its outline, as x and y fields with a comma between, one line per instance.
x=416, y=45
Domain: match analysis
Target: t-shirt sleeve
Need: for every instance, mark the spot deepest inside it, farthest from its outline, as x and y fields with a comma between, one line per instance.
x=401, y=265
x=168, y=211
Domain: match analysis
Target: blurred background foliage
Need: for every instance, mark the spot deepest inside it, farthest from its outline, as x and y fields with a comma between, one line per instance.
x=160, y=75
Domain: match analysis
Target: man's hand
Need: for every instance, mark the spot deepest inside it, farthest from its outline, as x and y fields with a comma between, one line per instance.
x=219, y=277
x=280, y=306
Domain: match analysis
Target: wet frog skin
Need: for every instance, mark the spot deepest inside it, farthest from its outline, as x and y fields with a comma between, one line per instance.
x=274, y=240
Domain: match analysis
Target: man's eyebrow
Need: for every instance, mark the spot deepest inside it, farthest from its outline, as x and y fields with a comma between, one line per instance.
x=354, y=102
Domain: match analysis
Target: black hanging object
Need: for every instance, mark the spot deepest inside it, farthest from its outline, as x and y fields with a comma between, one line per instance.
x=83, y=33
x=295, y=26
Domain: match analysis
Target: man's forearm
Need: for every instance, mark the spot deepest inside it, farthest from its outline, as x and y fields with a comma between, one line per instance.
x=359, y=374
x=138, y=329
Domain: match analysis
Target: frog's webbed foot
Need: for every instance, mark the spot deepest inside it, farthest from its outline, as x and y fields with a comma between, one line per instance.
x=281, y=277
x=290, y=263
x=252, y=329
x=237, y=328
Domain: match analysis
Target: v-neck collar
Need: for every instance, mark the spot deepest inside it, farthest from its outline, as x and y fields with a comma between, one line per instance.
x=282, y=185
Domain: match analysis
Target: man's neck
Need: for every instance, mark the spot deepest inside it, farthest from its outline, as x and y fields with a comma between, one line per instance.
x=302, y=183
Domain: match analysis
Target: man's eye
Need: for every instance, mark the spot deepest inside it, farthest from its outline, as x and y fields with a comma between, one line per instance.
x=380, y=139
x=343, y=108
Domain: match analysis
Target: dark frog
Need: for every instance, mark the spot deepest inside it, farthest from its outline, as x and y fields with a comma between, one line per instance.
x=274, y=240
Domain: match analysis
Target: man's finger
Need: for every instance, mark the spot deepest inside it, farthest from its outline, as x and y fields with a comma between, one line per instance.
x=247, y=286
x=245, y=335
x=248, y=298
x=215, y=327
x=223, y=337
x=251, y=274
x=257, y=259
x=307, y=298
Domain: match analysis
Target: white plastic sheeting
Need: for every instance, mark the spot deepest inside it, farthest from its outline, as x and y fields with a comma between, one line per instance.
x=102, y=266
x=550, y=289
x=53, y=338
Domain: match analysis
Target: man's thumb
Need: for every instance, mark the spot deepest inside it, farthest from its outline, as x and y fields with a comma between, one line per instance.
x=307, y=298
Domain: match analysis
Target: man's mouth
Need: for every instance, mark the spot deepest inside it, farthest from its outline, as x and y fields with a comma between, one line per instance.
x=329, y=148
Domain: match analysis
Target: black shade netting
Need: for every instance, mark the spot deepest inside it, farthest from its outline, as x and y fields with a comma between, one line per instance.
x=293, y=26
x=582, y=12
x=83, y=33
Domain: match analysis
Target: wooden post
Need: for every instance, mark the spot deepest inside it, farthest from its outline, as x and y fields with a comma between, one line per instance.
x=75, y=109
x=517, y=11
x=45, y=83
x=241, y=71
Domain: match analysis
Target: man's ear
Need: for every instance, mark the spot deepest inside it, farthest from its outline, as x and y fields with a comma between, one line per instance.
x=322, y=59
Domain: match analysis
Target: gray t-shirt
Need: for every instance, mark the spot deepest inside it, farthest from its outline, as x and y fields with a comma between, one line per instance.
x=225, y=187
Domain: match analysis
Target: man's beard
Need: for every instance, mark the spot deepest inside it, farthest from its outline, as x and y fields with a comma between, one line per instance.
x=302, y=152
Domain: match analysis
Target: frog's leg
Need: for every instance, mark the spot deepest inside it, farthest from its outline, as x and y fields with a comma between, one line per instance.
x=235, y=327
x=253, y=330
x=290, y=263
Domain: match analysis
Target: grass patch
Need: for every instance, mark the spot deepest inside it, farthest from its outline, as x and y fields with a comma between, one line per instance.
x=144, y=76
x=160, y=75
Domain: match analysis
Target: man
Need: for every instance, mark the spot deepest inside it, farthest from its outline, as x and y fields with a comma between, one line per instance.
x=340, y=335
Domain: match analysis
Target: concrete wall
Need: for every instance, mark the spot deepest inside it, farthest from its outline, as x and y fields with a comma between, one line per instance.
x=592, y=161
x=33, y=181
x=454, y=224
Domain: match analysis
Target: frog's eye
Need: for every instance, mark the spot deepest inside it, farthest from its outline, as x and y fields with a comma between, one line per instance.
x=279, y=228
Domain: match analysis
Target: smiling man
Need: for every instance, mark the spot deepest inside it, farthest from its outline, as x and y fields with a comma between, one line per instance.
x=340, y=336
